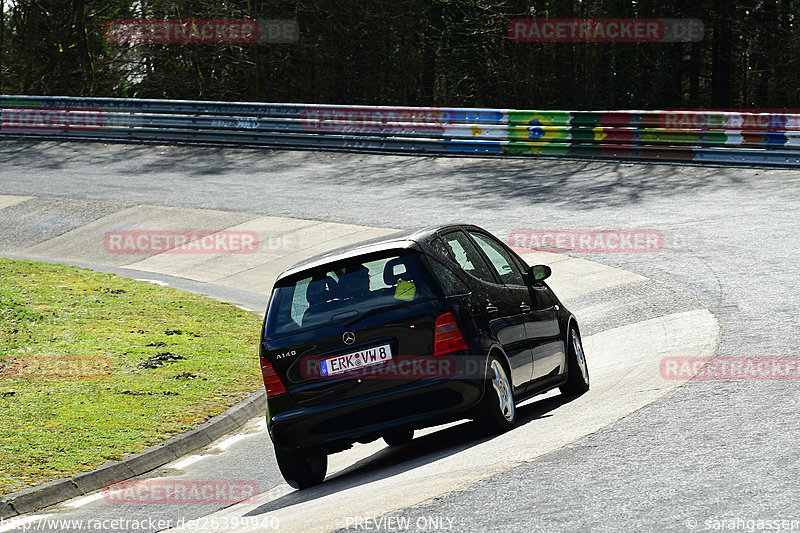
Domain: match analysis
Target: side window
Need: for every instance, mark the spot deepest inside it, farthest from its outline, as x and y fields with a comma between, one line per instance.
x=467, y=256
x=521, y=265
x=500, y=258
x=449, y=282
x=441, y=248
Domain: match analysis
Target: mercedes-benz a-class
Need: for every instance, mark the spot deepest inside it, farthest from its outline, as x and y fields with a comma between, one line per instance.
x=411, y=330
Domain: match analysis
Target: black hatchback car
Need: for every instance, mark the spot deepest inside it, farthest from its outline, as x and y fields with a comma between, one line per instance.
x=407, y=331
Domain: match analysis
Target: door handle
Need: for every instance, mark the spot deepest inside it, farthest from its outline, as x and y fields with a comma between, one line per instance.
x=525, y=307
x=490, y=308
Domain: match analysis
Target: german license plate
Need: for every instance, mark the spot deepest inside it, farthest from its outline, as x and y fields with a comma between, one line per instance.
x=355, y=360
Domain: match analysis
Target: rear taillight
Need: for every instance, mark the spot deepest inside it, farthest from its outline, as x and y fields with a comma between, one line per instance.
x=447, y=336
x=272, y=382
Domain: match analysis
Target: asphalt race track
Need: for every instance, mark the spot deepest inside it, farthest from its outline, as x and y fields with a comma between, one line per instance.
x=649, y=322
x=671, y=458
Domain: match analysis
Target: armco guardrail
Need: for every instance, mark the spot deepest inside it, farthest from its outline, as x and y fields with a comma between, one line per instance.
x=696, y=136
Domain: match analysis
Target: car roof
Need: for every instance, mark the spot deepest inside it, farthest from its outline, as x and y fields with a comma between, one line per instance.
x=407, y=239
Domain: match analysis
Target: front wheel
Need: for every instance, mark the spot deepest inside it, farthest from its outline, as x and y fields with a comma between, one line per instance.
x=497, y=412
x=302, y=469
x=577, y=371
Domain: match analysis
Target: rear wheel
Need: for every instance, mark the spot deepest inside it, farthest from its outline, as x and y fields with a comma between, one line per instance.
x=302, y=469
x=399, y=437
x=577, y=371
x=497, y=412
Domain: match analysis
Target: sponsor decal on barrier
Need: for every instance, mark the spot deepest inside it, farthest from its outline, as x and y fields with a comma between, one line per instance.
x=31, y=119
x=605, y=30
x=55, y=367
x=731, y=368
x=587, y=241
x=182, y=242
x=201, y=31
x=181, y=492
x=389, y=120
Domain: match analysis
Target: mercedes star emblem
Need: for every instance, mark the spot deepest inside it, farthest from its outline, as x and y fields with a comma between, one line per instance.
x=349, y=337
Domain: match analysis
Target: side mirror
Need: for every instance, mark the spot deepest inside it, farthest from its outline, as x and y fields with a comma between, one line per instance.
x=538, y=273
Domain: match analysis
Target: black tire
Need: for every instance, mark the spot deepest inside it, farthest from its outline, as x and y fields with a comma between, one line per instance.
x=497, y=411
x=398, y=437
x=302, y=469
x=577, y=370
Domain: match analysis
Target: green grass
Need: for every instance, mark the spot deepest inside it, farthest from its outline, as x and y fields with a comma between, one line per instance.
x=94, y=367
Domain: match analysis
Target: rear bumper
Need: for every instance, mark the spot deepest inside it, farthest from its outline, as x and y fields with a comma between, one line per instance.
x=335, y=426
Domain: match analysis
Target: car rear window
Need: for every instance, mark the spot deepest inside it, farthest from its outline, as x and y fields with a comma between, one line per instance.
x=345, y=290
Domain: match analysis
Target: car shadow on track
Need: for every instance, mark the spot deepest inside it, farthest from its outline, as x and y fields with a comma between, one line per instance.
x=390, y=461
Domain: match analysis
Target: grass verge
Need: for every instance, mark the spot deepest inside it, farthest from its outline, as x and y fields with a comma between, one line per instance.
x=94, y=367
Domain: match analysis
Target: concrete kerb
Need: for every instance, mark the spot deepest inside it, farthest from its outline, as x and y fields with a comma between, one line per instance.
x=53, y=492
x=6, y=511
x=193, y=439
x=44, y=495
x=101, y=476
x=149, y=459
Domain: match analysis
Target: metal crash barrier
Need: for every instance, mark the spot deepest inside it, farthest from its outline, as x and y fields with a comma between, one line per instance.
x=752, y=138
